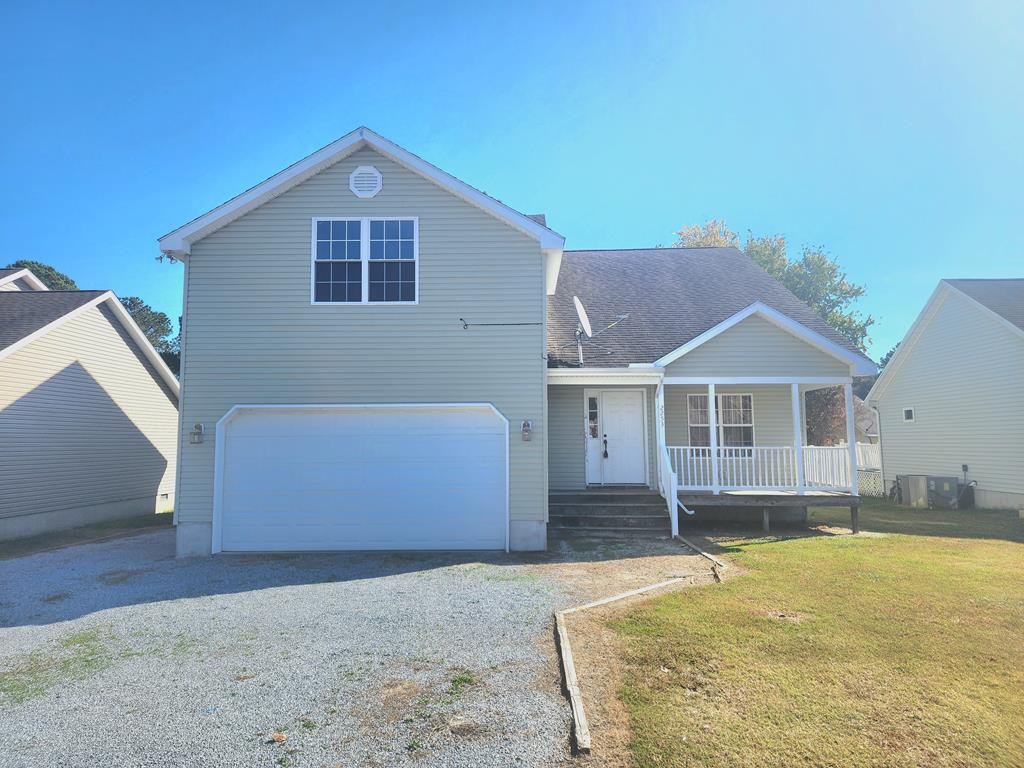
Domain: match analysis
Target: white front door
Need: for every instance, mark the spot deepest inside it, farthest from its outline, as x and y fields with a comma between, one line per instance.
x=616, y=444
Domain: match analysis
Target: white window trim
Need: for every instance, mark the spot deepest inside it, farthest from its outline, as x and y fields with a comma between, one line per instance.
x=721, y=434
x=364, y=259
x=913, y=414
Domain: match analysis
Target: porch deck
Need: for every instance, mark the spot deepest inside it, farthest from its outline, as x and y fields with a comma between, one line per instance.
x=767, y=500
x=756, y=498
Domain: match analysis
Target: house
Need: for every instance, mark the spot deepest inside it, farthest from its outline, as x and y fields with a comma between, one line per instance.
x=378, y=356
x=952, y=396
x=88, y=411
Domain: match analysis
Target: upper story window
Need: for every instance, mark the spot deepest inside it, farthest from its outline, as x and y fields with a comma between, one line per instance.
x=365, y=261
x=908, y=414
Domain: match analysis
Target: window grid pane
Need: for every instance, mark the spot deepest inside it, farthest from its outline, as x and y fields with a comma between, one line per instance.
x=735, y=417
x=392, y=260
x=338, y=258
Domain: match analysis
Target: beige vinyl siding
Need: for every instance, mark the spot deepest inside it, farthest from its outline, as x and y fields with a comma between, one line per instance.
x=254, y=337
x=566, y=440
x=84, y=422
x=15, y=285
x=756, y=347
x=964, y=378
x=773, y=415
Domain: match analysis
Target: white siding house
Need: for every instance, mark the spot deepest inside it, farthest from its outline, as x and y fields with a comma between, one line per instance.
x=953, y=392
x=378, y=356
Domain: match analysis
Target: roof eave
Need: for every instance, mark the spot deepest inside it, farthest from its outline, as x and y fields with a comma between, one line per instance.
x=178, y=243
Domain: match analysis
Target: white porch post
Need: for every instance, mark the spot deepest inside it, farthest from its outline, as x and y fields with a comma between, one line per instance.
x=659, y=424
x=851, y=436
x=798, y=439
x=716, y=480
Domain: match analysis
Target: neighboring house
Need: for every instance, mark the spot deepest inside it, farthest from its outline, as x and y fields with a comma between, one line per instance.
x=88, y=411
x=953, y=393
x=376, y=355
x=20, y=280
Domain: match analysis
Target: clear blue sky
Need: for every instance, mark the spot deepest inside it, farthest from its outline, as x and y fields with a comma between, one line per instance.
x=890, y=133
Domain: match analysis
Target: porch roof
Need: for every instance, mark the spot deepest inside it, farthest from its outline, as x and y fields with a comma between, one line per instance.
x=670, y=296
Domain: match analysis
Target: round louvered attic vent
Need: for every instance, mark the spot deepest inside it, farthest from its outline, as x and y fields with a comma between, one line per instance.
x=365, y=181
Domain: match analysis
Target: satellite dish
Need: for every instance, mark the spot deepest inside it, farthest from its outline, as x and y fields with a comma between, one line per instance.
x=582, y=314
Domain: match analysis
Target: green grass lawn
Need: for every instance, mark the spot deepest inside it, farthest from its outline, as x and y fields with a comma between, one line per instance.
x=903, y=646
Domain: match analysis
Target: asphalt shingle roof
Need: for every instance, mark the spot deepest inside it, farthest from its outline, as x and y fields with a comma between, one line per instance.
x=6, y=272
x=1004, y=297
x=25, y=312
x=671, y=295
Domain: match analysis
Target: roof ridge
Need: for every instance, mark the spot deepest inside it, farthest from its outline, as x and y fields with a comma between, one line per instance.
x=656, y=248
x=983, y=279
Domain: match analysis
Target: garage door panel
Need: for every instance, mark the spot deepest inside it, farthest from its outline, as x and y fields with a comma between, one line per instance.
x=376, y=478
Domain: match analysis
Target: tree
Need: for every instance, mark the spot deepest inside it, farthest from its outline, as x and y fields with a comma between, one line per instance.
x=155, y=325
x=817, y=279
x=172, y=354
x=52, y=278
x=888, y=356
x=712, y=234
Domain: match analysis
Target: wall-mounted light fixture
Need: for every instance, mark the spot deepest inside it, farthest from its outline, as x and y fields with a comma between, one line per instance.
x=195, y=437
x=527, y=430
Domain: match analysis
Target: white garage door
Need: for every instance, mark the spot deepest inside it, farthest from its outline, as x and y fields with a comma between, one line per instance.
x=404, y=477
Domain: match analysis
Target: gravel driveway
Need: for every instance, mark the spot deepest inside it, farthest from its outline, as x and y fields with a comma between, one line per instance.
x=116, y=654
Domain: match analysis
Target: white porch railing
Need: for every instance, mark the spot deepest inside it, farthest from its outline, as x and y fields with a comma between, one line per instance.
x=827, y=467
x=760, y=467
x=765, y=467
x=869, y=456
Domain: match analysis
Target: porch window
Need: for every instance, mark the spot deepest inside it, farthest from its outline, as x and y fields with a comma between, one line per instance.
x=735, y=416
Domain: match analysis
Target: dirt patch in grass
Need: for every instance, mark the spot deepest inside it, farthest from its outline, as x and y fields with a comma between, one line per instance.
x=593, y=568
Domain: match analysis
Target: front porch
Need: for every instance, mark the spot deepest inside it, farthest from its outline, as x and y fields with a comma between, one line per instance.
x=749, y=451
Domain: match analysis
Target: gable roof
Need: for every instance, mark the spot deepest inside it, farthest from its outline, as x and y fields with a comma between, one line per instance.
x=672, y=296
x=22, y=313
x=10, y=275
x=1004, y=297
x=28, y=315
x=1001, y=299
x=178, y=243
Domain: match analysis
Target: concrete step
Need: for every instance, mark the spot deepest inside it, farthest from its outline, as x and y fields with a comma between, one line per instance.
x=648, y=522
x=606, y=497
x=623, y=533
x=608, y=509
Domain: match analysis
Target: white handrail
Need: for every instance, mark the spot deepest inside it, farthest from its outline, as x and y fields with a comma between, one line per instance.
x=669, y=484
